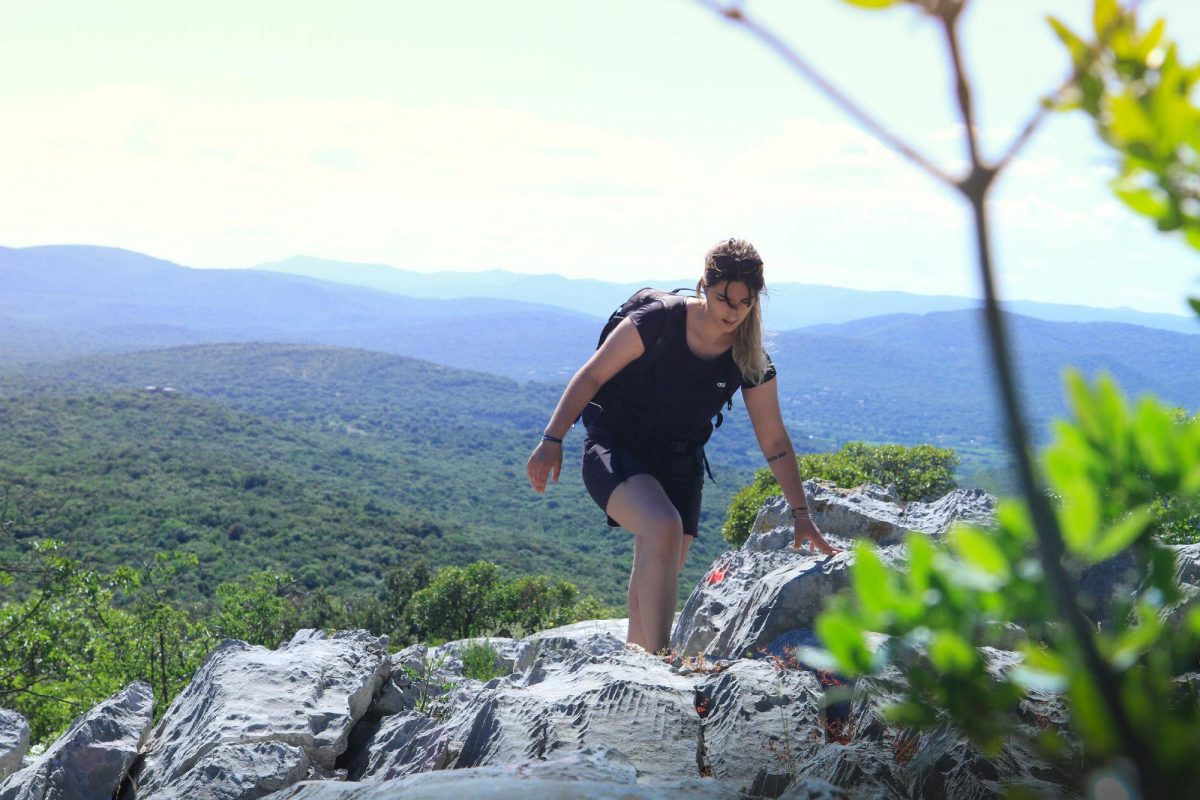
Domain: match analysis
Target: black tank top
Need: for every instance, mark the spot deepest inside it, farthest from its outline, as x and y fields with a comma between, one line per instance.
x=668, y=393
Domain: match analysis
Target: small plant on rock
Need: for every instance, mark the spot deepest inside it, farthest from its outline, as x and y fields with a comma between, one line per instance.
x=481, y=661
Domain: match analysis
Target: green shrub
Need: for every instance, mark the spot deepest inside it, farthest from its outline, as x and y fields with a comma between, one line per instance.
x=481, y=661
x=923, y=472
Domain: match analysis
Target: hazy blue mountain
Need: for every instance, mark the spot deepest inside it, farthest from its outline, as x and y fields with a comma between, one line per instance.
x=790, y=305
x=928, y=377
x=72, y=300
x=904, y=377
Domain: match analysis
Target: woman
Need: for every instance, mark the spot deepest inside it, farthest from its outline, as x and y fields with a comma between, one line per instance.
x=648, y=396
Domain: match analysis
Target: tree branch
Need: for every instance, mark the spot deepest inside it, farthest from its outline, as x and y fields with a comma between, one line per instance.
x=736, y=14
x=1049, y=536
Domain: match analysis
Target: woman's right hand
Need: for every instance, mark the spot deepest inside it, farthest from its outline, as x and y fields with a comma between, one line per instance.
x=546, y=459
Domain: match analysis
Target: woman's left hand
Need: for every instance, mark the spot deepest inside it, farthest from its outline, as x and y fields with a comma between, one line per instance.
x=806, y=531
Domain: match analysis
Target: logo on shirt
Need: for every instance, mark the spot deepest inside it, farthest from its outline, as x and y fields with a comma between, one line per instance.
x=721, y=385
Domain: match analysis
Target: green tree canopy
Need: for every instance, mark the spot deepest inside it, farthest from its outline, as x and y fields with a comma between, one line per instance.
x=922, y=472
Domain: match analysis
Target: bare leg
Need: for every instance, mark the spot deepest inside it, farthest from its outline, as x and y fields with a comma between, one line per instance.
x=683, y=550
x=637, y=634
x=640, y=506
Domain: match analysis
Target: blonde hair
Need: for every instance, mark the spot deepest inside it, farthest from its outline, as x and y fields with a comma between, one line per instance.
x=737, y=260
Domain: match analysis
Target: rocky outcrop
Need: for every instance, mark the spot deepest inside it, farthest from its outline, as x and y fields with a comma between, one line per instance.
x=765, y=589
x=628, y=701
x=243, y=771
x=14, y=741
x=577, y=713
x=877, y=513
x=590, y=773
x=92, y=758
x=308, y=694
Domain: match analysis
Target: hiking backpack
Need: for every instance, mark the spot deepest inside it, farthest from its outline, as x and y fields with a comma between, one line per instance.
x=641, y=298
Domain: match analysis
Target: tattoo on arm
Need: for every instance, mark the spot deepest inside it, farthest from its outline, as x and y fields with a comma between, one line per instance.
x=776, y=457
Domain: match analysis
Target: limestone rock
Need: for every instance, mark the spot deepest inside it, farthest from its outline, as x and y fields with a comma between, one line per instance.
x=866, y=769
x=307, y=694
x=752, y=595
x=874, y=512
x=402, y=744
x=237, y=771
x=92, y=758
x=14, y=741
x=595, y=636
x=945, y=764
x=747, y=599
x=722, y=592
x=590, y=772
x=806, y=788
x=757, y=723
x=625, y=700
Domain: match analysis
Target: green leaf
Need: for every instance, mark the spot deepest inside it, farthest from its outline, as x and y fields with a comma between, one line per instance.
x=1089, y=714
x=1104, y=17
x=873, y=584
x=950, y=653
x=1079, y=514
x=1153, y=433
x=979, y=550
x=1151, y=38
x=1121, y=535
x=1139, y=639
x=1192, y=236
x=1076, y=46
x=1147, y=202
x=920, y=562
x=1013, y=517
x=844, y=639
x=1130, y=123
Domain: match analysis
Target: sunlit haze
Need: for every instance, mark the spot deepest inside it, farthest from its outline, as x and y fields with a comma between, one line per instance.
x=611, y=139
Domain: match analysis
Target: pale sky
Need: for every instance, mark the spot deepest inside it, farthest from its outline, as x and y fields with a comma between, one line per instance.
x=612, y=139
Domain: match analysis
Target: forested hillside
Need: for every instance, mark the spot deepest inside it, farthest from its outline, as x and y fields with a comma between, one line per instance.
x=328, y=463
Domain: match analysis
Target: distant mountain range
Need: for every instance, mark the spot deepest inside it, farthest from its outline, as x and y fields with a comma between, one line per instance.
x=400, y=442
x=790, y=305
x=65, y=301
x=897, y=377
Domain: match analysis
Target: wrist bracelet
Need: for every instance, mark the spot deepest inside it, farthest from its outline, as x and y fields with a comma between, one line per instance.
x=548, y=438
x=802, y=512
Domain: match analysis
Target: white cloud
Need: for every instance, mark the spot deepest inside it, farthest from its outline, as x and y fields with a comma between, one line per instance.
x=229, y=184
x=236, y=183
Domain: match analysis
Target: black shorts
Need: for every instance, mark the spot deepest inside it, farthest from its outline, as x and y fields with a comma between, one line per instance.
x=678, y=469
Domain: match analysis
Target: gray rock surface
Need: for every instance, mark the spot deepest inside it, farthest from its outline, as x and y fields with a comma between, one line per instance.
x=593, y=636
x=308, y=694
x=766, y=588
x=874, y=512
x=866, y=769
x=756, y=723
x=782, y=600
x=569, y=699
x=92, y=758
x=237, y=771
x=749, y=597
x=591, y=772
x=14, y=741
x=806, y=788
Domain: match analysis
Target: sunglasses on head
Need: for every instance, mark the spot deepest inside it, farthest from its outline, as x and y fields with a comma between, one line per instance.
x=726, y=262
